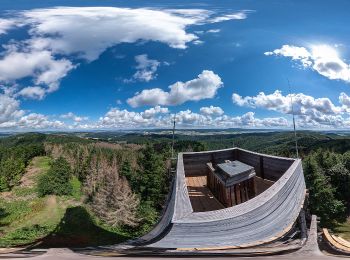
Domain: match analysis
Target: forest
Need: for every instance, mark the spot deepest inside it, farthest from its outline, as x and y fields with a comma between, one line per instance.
x=117, y=186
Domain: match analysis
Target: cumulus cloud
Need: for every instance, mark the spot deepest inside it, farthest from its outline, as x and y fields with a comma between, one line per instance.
x=321, y=58
x=32, y=92
x=209, y=111
x=41, y=66
x=9, y=109
x=188, y=118
x=149, y=113
x=146, y=69
x=160, y=117
x=38, y=121
x=204, y=86
x=74, y=117
x=302, y=104
x=310, y=111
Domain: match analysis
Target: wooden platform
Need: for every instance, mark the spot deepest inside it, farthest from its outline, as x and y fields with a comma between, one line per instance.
x=200, y=196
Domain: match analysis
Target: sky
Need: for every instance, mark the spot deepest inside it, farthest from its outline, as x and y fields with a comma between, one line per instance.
x=100, y=65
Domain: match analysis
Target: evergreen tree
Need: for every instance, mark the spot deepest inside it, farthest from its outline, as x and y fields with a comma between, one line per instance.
x=151, y=178
x=11, y=171
x=56, y=180
x=322, y=201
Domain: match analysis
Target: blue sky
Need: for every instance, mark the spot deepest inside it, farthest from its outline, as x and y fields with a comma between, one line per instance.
x=132, y=64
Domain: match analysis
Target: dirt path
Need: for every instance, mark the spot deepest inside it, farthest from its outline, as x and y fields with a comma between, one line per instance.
x=28, y=179
x=37, y=166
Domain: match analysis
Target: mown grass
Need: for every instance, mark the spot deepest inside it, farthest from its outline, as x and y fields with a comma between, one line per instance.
x=76, y=188
x=343, y=230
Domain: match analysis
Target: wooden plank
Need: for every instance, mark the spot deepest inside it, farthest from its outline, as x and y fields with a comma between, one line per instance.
x=200, y=196
x=330, y=239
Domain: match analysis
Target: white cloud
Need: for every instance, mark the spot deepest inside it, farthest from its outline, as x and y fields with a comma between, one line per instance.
x=204, y=86
x=38, y=121
x=74, y=117
x=189, y=119
x=310, y=110
x=344, y=99
x=213, y=31
x=321, y=58
x=16, y=65
x=88, y=31
x=116, y=118
x=32, y=92
x=39, y=65
x=303, y=104
x=146, y=68
x=5, y=25
x=211, y=111
x=149, y=113
x=60, y=36
x=198, y=42
x=241, y=15
x=9, y=109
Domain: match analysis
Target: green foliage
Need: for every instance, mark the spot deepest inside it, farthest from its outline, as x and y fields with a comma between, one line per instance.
x=57, y=180
x=25, y=235
x=328, y=181
x=11, y=171
x=126, y=170
x=151, y=184
x=76, y=188
x=149, y=216
x=13, y=211
x=15, y=154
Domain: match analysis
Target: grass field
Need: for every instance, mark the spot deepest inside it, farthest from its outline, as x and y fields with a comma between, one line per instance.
x=343, y=230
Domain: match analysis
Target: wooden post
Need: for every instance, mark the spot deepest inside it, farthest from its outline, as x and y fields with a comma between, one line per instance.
x=238, y=193
x=262, y=173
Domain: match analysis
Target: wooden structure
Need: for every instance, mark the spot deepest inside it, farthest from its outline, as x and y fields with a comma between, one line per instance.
x=337, y=243
x=266, y=218
x=232, y=183
x=201, y=197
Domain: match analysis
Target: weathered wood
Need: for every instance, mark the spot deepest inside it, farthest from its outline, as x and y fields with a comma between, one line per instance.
x=262, y=219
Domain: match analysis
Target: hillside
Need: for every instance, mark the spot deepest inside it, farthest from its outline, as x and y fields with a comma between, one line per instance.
x=69, y=190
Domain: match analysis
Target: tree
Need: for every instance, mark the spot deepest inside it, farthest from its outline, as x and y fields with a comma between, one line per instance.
x=11, y=171
x=126, y=170
x=151, y=178
x=322, y=201
x=56, y=180
x=340, y=180
x=114, y=202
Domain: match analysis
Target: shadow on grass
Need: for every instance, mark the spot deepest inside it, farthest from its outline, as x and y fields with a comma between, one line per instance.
x=77, y=229
x=3, y=214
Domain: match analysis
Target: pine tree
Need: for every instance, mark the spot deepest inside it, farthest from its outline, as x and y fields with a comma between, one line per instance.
x=56, y=180
x=322, y=201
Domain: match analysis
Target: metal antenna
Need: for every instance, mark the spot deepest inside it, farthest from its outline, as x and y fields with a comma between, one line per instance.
x=172, y=147
x=295, y=132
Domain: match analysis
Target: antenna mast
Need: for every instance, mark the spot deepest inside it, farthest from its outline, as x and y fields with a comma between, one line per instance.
x=172, y=147
x=295, y=132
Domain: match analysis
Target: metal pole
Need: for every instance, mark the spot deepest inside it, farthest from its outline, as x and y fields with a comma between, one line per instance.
x=172, y=147
x=295, y=132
